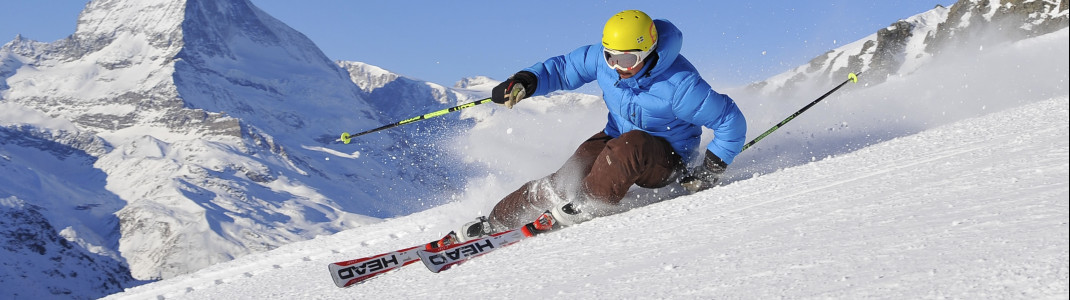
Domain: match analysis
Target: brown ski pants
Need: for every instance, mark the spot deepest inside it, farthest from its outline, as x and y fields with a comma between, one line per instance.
x=602, y=169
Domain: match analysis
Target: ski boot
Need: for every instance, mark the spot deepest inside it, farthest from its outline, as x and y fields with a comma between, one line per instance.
x=569, y=214
x=469, y=231
x=478, y=228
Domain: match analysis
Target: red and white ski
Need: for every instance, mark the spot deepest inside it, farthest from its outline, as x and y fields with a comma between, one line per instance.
x=442, y=259
x=350, y=272
x=438, y=255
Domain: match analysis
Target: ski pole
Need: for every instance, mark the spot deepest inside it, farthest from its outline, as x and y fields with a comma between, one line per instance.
x=346, y=137
x=853, y=77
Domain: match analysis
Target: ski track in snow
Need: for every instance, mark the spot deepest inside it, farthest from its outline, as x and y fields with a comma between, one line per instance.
x=974, y=209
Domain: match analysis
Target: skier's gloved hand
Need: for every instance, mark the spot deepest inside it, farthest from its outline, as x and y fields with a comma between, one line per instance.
x=512, y=90
x=706, y=175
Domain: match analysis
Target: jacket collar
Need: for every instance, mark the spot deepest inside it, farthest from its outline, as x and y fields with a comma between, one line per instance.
x=670, y=41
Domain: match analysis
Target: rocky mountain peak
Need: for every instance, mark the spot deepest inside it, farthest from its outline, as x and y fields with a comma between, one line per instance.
x=198, y=116
x=909, y=43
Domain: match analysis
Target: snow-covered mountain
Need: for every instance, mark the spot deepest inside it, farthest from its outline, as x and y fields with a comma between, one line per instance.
x=904, y=46
x=67, y=233
x=40, y=256
x=171, y=135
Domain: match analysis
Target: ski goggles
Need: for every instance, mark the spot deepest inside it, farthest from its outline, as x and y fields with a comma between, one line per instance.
x=625, y=60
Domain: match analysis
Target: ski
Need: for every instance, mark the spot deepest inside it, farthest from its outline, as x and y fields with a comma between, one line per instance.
x=442, y=259
x=437, y=255
x=351, y=272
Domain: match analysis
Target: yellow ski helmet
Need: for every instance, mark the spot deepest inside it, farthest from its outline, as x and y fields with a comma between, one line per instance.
x=630, y=30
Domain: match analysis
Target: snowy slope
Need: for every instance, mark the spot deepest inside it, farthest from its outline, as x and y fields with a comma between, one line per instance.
x=970, y=83
x=975, y=209
x=950, y=182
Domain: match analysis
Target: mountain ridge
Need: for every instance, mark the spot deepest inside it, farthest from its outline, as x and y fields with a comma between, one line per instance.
x=907, y=44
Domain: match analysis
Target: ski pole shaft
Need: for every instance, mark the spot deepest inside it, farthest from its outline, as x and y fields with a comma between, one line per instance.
x=346, y=137
x=853, y=77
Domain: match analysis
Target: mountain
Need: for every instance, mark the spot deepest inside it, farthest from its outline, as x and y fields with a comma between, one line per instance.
x=904, y=46
x=51, y=247
x=34, y=250
x=203, y=131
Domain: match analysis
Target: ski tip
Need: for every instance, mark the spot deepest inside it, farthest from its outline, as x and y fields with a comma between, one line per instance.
x=346, y=138
x=853, y=77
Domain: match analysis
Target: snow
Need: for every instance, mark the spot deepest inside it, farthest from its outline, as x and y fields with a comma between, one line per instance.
x=355, y=154
x=15, y=114
x=924, y=216
x=925, y=25
x=372, y=77
x=950, y=182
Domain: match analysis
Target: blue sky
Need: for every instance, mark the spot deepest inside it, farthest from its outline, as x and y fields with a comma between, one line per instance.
x=731, y=42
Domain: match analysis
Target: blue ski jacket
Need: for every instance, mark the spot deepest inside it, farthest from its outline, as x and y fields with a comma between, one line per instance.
x=667, y=99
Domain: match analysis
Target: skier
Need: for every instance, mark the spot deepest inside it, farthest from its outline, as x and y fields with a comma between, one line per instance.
x=657, y=104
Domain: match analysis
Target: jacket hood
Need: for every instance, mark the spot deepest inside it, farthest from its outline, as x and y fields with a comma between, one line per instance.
x=670, y=41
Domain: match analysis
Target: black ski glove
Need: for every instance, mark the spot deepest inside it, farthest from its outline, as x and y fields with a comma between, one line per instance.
x=512, y=90
x=706, y=175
